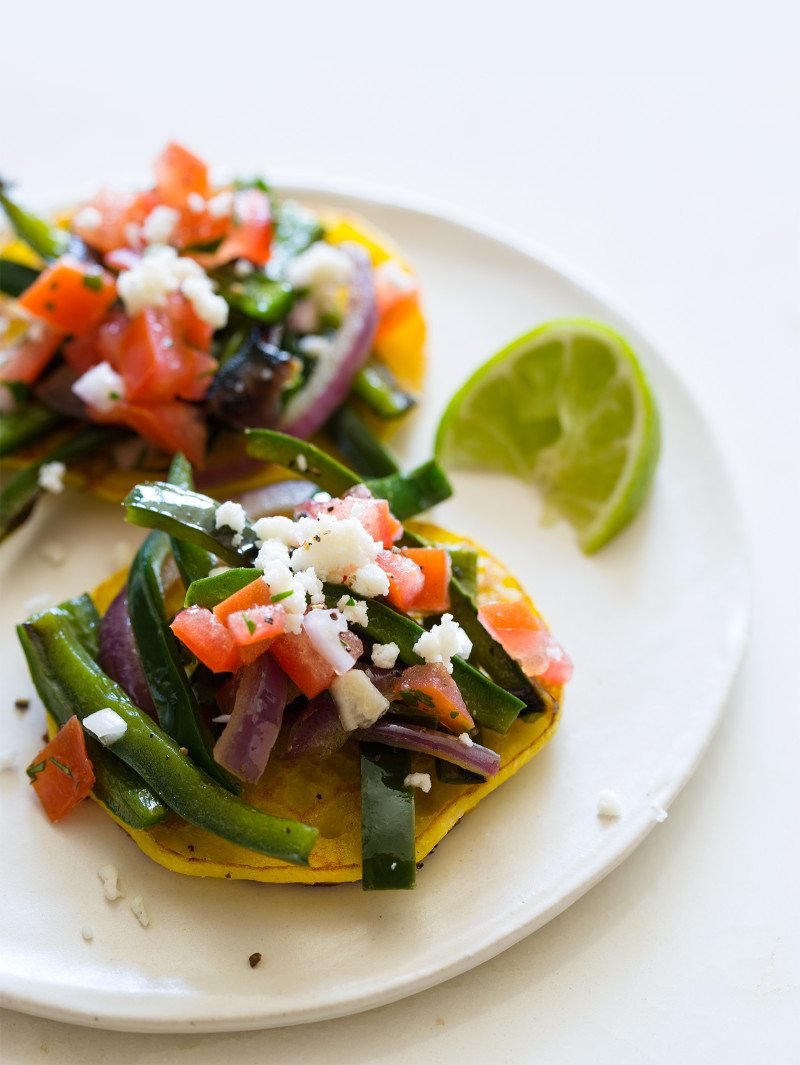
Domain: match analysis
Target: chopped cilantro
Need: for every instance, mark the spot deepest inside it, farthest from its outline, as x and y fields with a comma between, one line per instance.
x=281, y=595
x=251, y=625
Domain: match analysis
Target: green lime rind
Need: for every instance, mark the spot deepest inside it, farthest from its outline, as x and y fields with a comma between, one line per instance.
x=568, y=408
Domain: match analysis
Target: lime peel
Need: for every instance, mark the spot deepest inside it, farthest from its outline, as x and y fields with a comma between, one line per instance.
x=568, y=408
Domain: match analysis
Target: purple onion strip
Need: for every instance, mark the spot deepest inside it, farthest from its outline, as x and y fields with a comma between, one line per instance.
x=246, y=742
x=428, y=741
x=119, y=656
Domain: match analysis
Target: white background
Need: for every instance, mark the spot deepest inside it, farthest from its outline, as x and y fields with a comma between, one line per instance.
x=656, y=151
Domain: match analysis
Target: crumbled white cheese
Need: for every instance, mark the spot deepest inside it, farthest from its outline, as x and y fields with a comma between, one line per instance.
x=321, y=270
x=159, y=226
x=8, y=759
x=139, y=911
x=106, y=725
x=109, y=874
x=158, y=273
x=53, y=553
x=277, y=527
x=88, y=218
x=358, y=701
x=206, y=304
x=443, y=641
x=231, y=515
x=280, y=580
x=334, y=548
x=221, y=719
x=221, y=205
x=418, y=780
x=272, y=551
x=312, y=585
x=390, y=274
x=195, y=203
x=51, y=476
x=316, y=347
x=354, y=610
x=243, y=268
x=659, y=813
x=300, y=462
x=87, y=933
x=384, y=655
x=466, y=739
x=609, y=804
x=100, y=387
x=369, y=580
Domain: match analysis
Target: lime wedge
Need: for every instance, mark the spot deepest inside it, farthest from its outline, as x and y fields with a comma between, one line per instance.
x=568, y=408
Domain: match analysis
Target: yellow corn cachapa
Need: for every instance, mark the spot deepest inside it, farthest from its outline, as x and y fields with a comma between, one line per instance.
x=401, y=349
x=327, y=793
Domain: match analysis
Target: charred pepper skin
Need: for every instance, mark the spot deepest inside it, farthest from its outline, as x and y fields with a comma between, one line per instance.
x=157, y=758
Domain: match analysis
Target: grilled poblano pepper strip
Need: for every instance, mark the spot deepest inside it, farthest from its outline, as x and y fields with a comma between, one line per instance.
x=15, y=277
x=213, y=590
x=489, y=704
x=372, y=386
x=387, y=819
x=487, y=652
x=20, y=493
x=189, y=516
x=407, y=493
x=175, y=702
x=24, y=425
x=46, y=240
x=259, y=297
x=352, y=437
x=194, y=563
x=116, y=785
x=157, y=758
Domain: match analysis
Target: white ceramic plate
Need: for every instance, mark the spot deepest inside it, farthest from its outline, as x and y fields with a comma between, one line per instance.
x=655, y=623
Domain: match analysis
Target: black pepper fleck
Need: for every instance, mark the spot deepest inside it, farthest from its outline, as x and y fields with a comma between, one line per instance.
x=22, y=704
x=254, y=959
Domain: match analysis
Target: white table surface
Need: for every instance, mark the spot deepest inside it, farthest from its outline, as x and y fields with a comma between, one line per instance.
x=656, y=151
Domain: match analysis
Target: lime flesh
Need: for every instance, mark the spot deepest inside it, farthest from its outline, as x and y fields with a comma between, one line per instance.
x=568, y=408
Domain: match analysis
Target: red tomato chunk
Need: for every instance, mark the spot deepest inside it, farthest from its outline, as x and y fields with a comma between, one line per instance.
x=61, y=774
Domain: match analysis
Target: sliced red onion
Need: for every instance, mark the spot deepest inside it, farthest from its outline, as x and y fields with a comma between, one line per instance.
x=119, y=656
x=280, y=497
x=318, y=731
x=325, y=628
x=247, y=740
x=55, y=391
x=330, y=380
x=428, y=741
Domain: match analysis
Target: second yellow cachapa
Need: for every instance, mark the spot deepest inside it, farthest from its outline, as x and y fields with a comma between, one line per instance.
x=327, y=793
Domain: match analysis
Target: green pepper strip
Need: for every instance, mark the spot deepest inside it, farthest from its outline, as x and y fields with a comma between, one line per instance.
x=353, y=439
x=382, y=396
x=157, y=758
x=464, y=561
x=487, y=652
x=25, y=424
x=387, y=819
x=116, y=785
x=15, y=277
x=210, y=591
x=259, y=297
x=174, y=699
x=194, y=563
x=21, y=492
x=407, y=493
x=488, y=703
x=191, y=517
x=45, y=240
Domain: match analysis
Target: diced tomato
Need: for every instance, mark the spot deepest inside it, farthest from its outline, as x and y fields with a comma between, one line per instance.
x=28, y=359
x=171, y=427
x=436, y=570
x=179, y=174
x=406, y=579
x=299, y=659
x=256, y=593
x=521, y=632
x=253, y=630
x=374, y=515
x=430, y=688
x=61, y=773
x=151, y=358
x=207, y=638
x=560, y=668
x=70, y=296
x=250, y=235
x=190, y=328
x=118, y=211
x=101, y=344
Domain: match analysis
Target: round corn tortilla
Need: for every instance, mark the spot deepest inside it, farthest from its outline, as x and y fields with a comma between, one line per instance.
x=327, y=793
